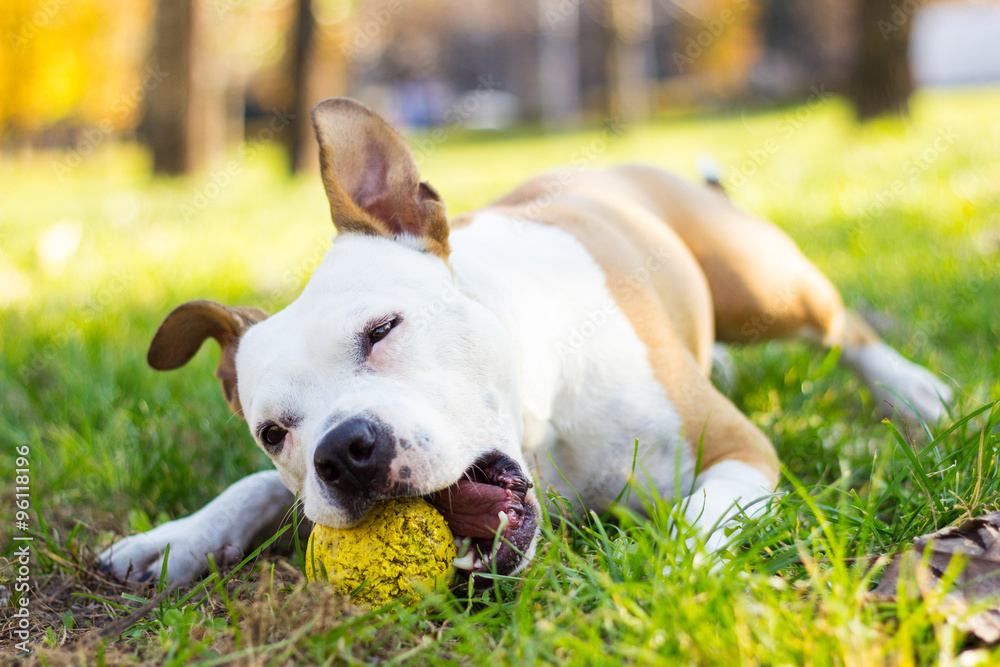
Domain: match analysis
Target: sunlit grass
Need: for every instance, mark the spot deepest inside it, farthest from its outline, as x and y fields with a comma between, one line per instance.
x=905, y=218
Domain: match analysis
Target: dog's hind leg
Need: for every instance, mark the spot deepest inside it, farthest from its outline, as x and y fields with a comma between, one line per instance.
x=890, y=376
x=763, y=287
x=795, y=300
x=790, y=298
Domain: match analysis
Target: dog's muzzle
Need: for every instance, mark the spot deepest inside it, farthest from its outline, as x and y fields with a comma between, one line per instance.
x=489, y=513
x=489, y=509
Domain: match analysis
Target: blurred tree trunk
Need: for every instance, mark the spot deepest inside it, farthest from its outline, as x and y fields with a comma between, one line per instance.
x=629, y=33
x=317, y=69
x=881, y=82
x=167, y=114
x=300, y=135
x=559, y=62
x=186, y=111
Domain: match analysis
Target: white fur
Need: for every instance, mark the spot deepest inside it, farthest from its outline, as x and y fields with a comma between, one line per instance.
x=587, y=387
x=224, y=528
x=725, y=490
x=518, y=346
x=443, y=377
x=522, y=349
x=890, y=376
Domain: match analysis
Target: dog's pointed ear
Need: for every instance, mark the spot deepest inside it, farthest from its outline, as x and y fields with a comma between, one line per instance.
x=371, y=177
x=186, y=328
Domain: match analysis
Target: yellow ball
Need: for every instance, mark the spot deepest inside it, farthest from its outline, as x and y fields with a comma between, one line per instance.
x=400, y=545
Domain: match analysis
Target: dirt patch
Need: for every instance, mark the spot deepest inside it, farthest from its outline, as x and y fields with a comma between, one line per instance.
x=78, y=613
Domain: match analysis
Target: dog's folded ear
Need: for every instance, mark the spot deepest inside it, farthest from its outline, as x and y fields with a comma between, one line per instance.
x=186, y=328
x=371, y=177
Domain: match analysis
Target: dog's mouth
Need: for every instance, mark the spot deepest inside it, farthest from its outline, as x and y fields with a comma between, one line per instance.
x=490, y=516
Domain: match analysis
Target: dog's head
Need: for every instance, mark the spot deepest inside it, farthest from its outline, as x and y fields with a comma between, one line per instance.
x=383, y=379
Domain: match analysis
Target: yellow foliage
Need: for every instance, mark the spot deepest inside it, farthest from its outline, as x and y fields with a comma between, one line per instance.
x=78, y=60
x=721, y=42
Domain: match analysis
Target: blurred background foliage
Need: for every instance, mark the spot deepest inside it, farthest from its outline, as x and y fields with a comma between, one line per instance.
x=68, y=63
x=190, y=77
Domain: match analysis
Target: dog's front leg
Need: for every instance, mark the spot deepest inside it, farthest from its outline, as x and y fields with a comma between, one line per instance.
x=241, y=518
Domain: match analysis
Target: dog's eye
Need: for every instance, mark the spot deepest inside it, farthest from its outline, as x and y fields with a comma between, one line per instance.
x=274, y=435
x=381, y=331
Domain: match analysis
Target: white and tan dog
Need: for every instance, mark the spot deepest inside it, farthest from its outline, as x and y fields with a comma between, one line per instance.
x=541, y=336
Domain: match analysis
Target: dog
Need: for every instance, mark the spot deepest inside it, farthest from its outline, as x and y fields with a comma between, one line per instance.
x=563, y=333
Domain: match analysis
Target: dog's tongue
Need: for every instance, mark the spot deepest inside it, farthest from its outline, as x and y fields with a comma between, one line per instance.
x=472, y=508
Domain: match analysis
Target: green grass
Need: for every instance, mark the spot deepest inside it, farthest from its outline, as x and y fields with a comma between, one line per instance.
x=116, y=447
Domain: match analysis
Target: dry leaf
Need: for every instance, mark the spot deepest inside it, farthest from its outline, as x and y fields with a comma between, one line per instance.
x=920, y=569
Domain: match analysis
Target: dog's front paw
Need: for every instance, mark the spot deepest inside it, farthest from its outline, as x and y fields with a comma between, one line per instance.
x=139, y=558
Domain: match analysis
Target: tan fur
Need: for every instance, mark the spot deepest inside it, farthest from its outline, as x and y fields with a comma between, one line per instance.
x=857, y=332
x=708, y=418
x=728, y=276
x=683, y=264
x=186, y=328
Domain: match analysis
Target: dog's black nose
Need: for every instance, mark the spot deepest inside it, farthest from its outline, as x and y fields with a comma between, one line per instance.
x=354, y=457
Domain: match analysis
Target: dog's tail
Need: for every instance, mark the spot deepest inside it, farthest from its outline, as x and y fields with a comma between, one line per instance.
x=711, y=173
